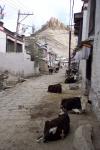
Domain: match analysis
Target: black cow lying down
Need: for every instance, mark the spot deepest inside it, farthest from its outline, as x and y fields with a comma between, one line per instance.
x=70, y=80
x=75, y=104
x=56, y=88
x=57, y=128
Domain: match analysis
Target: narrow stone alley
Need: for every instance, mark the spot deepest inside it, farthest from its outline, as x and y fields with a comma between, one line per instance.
x=24, y=109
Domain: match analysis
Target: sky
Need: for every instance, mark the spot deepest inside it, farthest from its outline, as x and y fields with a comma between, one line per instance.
x=42, y=11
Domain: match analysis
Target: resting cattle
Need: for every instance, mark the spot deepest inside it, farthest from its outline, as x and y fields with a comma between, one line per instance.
x=57, y=128
x=70, y=80
x=74, y=71
x=76, y=104
x=56, y=88
x=71, y=103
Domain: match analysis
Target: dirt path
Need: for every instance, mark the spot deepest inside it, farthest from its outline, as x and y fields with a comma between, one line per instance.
x=24, y=109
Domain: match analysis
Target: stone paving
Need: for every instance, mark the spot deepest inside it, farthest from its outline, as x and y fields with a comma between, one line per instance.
x=23, y=110
x=14, y=119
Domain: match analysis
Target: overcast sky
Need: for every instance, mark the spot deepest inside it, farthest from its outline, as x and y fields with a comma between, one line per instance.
x=43, y=10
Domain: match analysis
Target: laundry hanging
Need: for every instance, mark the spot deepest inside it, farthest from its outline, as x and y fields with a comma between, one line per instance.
x=82, y=54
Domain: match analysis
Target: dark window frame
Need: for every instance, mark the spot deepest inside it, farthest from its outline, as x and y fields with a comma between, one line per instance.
x=92, y=17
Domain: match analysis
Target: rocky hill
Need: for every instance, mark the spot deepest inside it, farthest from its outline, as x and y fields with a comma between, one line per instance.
x=56, y=35
x=53, y=24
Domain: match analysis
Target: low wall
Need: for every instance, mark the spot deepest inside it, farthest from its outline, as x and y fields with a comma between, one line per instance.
x=82, y=69
x=17, y=64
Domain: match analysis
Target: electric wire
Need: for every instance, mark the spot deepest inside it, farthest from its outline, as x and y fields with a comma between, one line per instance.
x=16, y=5
x=10, y=5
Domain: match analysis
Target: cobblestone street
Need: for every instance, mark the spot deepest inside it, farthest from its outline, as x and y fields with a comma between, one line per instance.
x=24, y=108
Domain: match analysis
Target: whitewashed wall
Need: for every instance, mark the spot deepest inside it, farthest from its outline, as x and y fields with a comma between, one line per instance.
x=85, y=22
x=82, y=67
x=17, y=64
x=95, y=85
x=2, y=41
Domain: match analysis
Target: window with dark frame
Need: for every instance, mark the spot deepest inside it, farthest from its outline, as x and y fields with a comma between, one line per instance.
x=92, y=17
x=9, y=46
x=19, y=48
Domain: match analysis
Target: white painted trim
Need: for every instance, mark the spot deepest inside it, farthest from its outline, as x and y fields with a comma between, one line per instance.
x=1, y=29
x=10, y=38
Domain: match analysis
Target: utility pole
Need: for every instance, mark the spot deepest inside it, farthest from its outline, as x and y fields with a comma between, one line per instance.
x=16, y=33
x=69, y=51
x=70, y=32
x=17, y=27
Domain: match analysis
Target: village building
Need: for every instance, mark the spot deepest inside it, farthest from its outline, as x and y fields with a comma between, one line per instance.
x=40, y=53
x=43, y=61
x=88, y=50
x=51, y=56
x=7, y=41
x=14, y=60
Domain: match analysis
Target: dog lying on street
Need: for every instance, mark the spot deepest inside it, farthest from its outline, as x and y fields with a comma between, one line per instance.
x=57, y=128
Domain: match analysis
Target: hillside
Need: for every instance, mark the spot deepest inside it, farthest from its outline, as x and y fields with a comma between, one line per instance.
x=56, y=35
